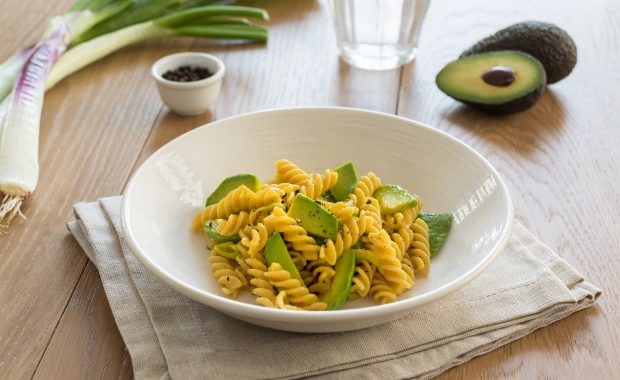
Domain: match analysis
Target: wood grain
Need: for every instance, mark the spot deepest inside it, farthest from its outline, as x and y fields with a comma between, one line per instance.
x=273, y=82
x=559, y=160
x=87, y=151
x=80, y=328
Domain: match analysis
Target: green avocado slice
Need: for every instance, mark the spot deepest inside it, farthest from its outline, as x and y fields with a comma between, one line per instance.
x=231, y=183
x=211, y=233
x=347, y=179
x=341, y=283
x=227, y=250
x=393, y=198
x=276, y=252
x=438, y=229
x=313, y=217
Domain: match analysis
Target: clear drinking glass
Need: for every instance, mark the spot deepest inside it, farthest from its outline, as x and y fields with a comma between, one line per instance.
x=378, y=34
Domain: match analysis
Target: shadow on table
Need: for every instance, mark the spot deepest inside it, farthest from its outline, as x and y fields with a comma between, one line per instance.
x=522, y=132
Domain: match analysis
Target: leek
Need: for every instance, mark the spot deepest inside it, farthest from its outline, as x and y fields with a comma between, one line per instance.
x=91, y=30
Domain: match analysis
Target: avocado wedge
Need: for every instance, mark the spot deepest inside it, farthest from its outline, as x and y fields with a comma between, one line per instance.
x=341, y=283
x=548, y=43
x=231, y=183
x=227, y=250
x=276, y=252
x=347, y=179
x=393, y=198
x=498, y=82
x=438, y=229
x=211, y=233
x=313, y=217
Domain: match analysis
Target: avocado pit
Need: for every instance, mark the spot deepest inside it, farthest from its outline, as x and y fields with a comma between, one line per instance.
x=499, y=76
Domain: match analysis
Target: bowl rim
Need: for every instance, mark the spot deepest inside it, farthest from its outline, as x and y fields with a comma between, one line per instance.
x=208, y=81
x=255, y=311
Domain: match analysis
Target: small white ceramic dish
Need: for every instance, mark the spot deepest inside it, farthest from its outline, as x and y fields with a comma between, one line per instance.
x=172, y=184
x=189, y=98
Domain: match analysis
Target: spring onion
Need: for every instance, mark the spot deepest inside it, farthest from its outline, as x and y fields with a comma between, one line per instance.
x=91, y=30
x=208, y=21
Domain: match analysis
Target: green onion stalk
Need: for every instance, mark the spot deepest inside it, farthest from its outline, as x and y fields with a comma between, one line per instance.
x=91, y=30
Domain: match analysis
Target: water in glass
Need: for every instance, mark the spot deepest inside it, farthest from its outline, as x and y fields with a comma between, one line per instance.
x=378, y=34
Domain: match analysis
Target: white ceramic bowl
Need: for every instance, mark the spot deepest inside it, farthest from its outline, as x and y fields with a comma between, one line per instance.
x=172, y=184
x=189, y=98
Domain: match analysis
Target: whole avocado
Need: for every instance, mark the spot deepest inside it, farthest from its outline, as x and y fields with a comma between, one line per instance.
x=548, y=43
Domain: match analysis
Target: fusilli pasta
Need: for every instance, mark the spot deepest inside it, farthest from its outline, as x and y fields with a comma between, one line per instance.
x=393, y=247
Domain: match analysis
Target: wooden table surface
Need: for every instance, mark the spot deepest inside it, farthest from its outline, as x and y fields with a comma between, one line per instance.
x=560, y=160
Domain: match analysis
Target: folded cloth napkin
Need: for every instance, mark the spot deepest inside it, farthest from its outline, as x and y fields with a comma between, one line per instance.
x=527, y=286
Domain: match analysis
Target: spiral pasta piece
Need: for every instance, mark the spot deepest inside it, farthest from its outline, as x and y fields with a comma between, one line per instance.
x=306, y=276
x=365, y=187
x=298, y=259
x=402, y=239
x=257, y=215
x=322, y=274
x=420, y=252
x=283, y=303
x=387, y=261
x=263, y=290
x=279, y=221
x=287, y=171
x=233, y=224
x=380, y=290
x=318, y=185
x=348, y=235
x=362, y=279
x=298, y=294
x=289, y=191
x=229, y=280
x=373, y=210
x=408, y=267
x=254, y=239
x=343, y=211
x=239, y=199
x=395, y=221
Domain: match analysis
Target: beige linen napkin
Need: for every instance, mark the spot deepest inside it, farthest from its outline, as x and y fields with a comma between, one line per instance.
x=168, y=335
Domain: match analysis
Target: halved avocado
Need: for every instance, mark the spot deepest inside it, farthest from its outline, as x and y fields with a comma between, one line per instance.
x=313, y=217
x=497, y=82
x=548, y=43
x=347, y=179
x=231, y=183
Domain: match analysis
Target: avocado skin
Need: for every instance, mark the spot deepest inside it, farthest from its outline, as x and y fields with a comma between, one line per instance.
x=514, y=106
x=548, y=43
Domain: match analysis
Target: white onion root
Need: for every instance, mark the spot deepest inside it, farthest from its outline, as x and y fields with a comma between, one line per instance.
x=10, y=208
